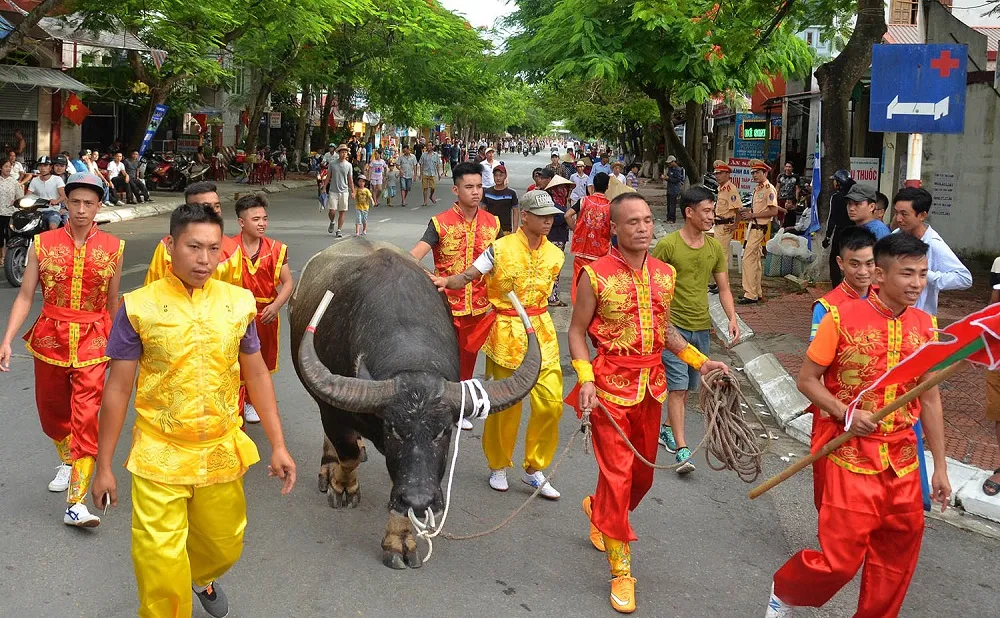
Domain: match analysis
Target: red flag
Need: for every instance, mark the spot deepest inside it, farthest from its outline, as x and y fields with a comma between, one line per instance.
x=975, y=338
x=74, y=109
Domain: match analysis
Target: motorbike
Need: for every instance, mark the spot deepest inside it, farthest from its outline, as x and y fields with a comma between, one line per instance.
x=192, y=172
x=24, y=224
x=166, y=174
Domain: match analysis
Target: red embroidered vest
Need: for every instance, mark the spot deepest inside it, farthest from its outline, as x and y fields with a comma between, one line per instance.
x=73, y=329
x=629, y=328
x=460, y=242
x=871, y=342
x=592, y=234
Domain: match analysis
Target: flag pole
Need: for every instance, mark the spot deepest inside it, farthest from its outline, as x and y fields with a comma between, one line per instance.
x=834, y=444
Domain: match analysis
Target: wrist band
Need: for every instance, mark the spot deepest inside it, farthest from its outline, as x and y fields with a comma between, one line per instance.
x=584, y=371
x=692, y=356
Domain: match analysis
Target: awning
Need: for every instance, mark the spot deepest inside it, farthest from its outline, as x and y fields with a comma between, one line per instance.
x=69, y=28
x=37, y=76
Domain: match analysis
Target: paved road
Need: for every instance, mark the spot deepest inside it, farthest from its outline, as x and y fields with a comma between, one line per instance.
x=704, y=549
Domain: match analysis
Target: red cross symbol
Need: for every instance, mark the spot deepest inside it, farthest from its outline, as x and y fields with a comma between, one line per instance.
x=944, y=63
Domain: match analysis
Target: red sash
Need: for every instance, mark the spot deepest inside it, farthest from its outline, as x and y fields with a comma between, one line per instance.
x=77, y=316
x=477, y=337
x=605, y=364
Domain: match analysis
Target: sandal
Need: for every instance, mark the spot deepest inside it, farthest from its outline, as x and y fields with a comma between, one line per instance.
x=558, y=303
x=991, y=487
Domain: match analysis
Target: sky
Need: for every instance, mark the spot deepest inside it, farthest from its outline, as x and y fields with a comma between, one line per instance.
x=480, y=12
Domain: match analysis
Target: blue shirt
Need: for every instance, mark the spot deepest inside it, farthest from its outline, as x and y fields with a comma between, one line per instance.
x=597, y=169
x=818, y=312
x=875, y=226
x=79, y=165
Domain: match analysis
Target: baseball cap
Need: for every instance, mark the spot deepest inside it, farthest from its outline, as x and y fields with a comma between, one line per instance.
x=861, y=193
x=499, y=166
x=538, y=203
x=671, y=159
x=581, y=164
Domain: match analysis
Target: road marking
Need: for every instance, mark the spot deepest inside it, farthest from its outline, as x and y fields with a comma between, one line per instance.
x=416, y=208
x=135, y=269
x=384, y=220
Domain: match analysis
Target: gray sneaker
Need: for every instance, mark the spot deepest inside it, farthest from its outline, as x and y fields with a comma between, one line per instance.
x=214, y=600
x=330, y=228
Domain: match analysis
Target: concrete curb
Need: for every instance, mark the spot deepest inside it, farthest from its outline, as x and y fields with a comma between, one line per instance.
x=165, y=204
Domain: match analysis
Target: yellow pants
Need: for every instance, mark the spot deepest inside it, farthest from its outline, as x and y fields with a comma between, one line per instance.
x=724, y=234
x=542, y=438
x=183, y=535
x=753, y=254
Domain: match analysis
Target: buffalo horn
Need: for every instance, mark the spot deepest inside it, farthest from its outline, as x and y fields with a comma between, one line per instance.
x=351, y=394
x=505, y=393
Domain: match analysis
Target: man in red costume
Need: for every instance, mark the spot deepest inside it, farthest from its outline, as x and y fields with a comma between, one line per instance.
x=79, y=269
x=457, y=237
x=267, y=275
x=623, y=305
x=872, y=510
x=857, y=262
x=590, y=219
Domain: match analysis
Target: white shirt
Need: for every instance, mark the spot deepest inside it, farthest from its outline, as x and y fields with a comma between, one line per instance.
x=48, y=189
x=580, y=190
x=488, y=181
x=944, y=271
x=114, y=169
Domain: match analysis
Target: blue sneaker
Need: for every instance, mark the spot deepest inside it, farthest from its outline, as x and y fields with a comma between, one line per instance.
x=684, y=458
x=667, y=439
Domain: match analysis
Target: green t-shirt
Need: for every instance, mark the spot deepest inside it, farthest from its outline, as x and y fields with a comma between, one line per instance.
x=695, y=267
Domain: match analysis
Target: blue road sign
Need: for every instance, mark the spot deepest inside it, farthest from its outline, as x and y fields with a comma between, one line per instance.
x=918, y=88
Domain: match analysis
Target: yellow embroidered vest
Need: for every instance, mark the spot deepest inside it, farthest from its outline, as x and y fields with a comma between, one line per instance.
x=187, y=428
x=531, y=275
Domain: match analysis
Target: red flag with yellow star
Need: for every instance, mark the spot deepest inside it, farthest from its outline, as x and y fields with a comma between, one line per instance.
x=75, y=110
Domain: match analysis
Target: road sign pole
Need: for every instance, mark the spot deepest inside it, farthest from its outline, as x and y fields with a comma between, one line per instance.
x=914, y=159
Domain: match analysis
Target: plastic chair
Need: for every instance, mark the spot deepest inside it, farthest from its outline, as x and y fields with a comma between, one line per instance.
x=736, y=254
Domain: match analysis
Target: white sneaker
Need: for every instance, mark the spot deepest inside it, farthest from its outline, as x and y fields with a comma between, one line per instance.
x=61, y=481
x=776, y=608
x=78, y=515
x=466, y=425
x=250, y=413
x=537, y=480
x=498, y=480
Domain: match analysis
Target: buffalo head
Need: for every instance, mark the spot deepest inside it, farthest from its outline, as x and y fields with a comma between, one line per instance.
x=418, y=411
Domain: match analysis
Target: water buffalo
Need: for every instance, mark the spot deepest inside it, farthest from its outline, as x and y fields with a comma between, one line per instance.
x=384, y=365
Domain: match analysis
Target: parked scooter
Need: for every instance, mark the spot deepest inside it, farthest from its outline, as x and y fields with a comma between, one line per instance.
x=24, y=224
x=166, y=175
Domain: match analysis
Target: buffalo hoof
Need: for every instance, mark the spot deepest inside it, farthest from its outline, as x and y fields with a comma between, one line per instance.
x=398, y=561
x=344, y=499
x=324, y=483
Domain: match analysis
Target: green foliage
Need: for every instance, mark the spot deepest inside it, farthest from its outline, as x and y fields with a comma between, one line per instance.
x=594, y=108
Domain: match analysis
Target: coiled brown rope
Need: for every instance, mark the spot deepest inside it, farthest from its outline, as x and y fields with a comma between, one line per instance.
x=731, y=441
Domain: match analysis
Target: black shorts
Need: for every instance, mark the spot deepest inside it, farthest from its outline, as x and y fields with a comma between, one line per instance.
x=4, y=229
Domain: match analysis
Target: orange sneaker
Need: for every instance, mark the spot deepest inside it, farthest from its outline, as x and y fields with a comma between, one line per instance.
x=623, y=594
x=596, y=538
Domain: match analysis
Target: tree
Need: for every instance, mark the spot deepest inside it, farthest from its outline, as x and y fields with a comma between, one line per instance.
x=16, y=37
x=838, y=77
x=671, y=52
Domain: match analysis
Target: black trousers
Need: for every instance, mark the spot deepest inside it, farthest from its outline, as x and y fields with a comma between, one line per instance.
x=836, y=276
x=672, y=207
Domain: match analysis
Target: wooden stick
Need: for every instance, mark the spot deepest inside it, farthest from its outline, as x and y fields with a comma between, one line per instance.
x=834, y=444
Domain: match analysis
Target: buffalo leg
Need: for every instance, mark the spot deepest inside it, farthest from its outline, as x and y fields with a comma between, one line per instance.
x=399, y=547
x=344, y=489
x=326, y=464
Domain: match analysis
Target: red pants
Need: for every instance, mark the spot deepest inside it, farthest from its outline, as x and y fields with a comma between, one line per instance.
x=464, y=325
x=876, y=520
x=578, y=264
x=623, y=480
x=68, y=400
x=268, y=334
x=824, y=429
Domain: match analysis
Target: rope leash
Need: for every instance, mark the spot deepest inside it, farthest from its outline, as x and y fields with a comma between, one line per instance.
x=730, y=439
x=428, y=528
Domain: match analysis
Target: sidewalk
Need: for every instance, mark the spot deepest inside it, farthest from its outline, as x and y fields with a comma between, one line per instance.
x=166, y=202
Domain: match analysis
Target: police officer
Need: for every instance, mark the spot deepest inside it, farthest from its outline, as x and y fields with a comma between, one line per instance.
x=765, y=207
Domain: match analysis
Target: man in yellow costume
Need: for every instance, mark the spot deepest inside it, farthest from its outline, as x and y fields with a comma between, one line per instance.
x=527, y=263
x=188, y=454
x=230, y=267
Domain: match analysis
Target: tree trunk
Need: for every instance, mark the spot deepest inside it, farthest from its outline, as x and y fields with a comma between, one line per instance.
x=674, y=145
x=300, y=130
x=14, y=38
x=837, y=79
x=253, y=131
x=693, y=137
